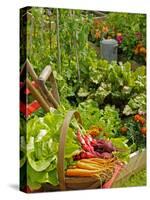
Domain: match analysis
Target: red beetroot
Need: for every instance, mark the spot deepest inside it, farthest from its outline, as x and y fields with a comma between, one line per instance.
x=86, y=155
x=76, y=157
x=109, y=147
x=106, y=155
x=83, y=155
x=90, y=155
x=104, y=146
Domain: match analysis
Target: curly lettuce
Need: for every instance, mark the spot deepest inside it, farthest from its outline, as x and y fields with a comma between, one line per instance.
x=42, y=148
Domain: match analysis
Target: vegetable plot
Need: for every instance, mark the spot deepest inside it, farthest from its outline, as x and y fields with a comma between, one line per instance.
x=110, y=98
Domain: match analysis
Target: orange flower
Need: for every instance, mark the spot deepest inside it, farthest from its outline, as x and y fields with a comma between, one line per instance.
x=139, y=46
x=142, y=121
x=119, y=34
x=105, y=29
x=136, y=51
x=97, y=22
x=94, y=131
x=123, y=130
x=137, y=118
x=142, y=50
x=143, y=130
x=97, y=34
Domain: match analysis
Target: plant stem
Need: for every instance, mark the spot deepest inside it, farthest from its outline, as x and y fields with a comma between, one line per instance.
x=76, y=51
x=50, y=35
x=31, y=32
x=58, y=40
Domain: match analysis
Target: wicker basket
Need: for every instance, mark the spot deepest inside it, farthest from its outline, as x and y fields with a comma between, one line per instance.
x=70, y=183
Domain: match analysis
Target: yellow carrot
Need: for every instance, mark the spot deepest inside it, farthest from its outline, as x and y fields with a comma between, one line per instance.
x=89, y=166
x=93, y=164
x=100, y=160
x=92, y=161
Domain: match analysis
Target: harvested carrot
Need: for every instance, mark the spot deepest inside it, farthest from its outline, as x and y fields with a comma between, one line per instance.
x=90, y=161
x=89, y=166
x=103, y=169
x=72, y=166
x=99, y=160
x=81, y=172
x=93, y=163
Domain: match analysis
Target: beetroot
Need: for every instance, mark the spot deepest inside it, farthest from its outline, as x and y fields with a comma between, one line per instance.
x=109, y=147
x=104, y=146
x=84, y=155
x=90, y=155
x=106, y=155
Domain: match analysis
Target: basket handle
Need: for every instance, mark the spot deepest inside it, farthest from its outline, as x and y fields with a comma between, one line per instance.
x=61, y=148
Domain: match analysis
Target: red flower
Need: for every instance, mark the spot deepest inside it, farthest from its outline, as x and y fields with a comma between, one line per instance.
x=119, y=38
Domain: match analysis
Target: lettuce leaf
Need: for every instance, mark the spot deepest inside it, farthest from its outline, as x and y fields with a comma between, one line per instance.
x=42, y=148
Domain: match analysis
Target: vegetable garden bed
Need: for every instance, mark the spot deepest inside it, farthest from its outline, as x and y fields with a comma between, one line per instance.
x=84, y=125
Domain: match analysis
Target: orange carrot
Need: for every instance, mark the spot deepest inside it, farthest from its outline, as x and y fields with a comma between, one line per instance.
x=81, y=172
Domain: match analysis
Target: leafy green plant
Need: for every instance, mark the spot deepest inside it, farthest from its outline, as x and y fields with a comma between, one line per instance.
x=124, y=150
x=135, y=104
x=42, y=148
x=83, y=76
x=108, y=118
x=117, y=85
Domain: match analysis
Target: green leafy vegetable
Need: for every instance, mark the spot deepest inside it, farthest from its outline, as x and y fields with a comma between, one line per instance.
x=42, y=148
x=123, y=151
